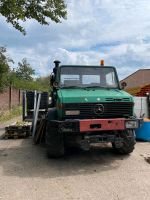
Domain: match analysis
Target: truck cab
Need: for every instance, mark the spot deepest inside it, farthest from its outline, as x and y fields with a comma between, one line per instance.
x=89, y=106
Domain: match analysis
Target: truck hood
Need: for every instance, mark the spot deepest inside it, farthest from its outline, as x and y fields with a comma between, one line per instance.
x=93, y=95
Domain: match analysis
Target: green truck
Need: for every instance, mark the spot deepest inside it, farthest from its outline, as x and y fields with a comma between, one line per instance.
x=89, y=106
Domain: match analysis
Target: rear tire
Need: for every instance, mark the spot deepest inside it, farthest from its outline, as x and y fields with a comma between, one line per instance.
x=127, y=145
x=54, y=142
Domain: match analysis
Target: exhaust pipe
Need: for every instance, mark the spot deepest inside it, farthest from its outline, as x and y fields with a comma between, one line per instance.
x=57, y=62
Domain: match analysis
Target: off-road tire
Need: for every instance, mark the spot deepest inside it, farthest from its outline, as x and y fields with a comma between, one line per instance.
x=127, y=143
x=54, y=142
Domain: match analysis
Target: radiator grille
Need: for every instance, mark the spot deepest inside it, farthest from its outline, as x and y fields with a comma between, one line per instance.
x=111, y=110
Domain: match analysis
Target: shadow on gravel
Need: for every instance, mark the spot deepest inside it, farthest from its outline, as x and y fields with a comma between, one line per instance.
x=2, y=131
x=23, y=159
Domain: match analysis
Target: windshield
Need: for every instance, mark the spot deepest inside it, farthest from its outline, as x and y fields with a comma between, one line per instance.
x=83, y=76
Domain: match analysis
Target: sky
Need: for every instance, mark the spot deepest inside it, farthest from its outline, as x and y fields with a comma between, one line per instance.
x=113, y=30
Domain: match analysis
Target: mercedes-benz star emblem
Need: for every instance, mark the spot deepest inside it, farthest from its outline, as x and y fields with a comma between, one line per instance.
x=99, y=109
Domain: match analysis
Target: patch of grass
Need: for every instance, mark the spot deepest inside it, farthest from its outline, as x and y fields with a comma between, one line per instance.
x=9, y=114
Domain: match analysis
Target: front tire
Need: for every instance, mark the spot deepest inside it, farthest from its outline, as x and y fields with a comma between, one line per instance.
x=127, y=145
x=54, y=142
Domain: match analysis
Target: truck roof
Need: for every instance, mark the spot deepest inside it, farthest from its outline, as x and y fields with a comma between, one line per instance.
x=87, y=66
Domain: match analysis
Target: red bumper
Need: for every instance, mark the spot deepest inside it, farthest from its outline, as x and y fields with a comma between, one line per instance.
x=102, y=124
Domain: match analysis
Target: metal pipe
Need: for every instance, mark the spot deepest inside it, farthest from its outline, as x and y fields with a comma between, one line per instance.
x=24, y=105
x=34, y=109
x=36, y=115
x=35, y=102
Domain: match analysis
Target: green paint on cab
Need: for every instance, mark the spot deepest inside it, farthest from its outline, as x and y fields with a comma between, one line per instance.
x=91, y=95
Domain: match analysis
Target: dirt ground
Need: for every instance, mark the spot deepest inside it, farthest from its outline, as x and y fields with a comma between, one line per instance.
x=27, y=174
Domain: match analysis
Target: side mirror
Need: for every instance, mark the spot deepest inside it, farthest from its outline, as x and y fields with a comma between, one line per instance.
x=55, y=84
x=123, y=85
x=148, y=96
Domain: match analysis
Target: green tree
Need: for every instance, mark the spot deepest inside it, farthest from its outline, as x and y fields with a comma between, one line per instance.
x=4, y=68
x=44, y=82
x=25, y=71
x=39, y=10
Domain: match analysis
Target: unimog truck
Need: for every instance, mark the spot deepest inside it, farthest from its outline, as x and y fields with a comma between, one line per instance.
x=89, y=106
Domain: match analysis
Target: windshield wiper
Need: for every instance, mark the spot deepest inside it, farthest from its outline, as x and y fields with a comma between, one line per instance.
x=71, y=86
x=95, y=86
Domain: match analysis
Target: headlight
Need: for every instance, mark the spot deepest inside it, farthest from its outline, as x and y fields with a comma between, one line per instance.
x=72, y=112
x=131, y=124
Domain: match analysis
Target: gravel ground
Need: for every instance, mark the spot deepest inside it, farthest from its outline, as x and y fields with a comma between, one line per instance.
x=27, y=174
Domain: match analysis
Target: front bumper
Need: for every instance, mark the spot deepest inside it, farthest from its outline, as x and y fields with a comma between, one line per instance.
x=95, y=125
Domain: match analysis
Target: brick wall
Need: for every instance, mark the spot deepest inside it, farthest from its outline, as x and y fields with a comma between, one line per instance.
x=10, y=97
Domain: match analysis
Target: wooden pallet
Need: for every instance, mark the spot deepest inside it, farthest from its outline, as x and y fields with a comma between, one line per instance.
x=16, y=132
x=40, y=132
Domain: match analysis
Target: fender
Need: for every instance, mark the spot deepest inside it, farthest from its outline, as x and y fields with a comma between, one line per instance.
x=52, y=114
